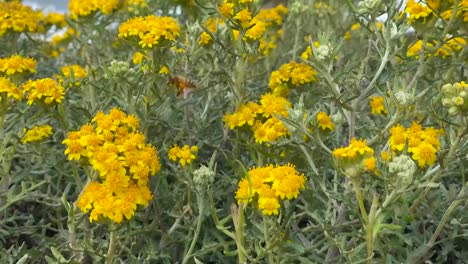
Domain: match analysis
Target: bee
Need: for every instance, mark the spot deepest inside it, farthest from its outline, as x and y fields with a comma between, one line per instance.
x=184, y=85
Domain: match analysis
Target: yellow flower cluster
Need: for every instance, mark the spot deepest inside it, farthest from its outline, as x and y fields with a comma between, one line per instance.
x=37, y=133
x=356, y=26
x=56, y=19
x=423, y=144
x=83, y=8
x=377, y=105
x=17, y=64
x=212, y=25
x=150, y=30
x=73, y=73
x=269, y=185
x=324, y=121
x=266, y=126
x=116, y=150
x=455, y=97
x=292, y=73
x=132, y=4
x=448, y=48
x=9, y=89
x=416, y=11
x=69, y=34
x=185, y=154
x=19, y=18
x=46, y=90
x=354, y=158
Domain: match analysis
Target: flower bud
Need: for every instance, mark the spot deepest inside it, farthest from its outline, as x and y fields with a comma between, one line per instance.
x=447, y=102
x=448, y=90
x=458, y=100
x=323, y=52
x=404, y=168
x=404, y=98
x=203, y=177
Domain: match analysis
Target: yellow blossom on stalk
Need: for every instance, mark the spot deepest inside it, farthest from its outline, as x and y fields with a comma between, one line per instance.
x=355, y=158
x=324, y=121
x=385, y=155
x=19, y=18
x=269, y=185
x=83, y=8
x=292, y=73
x=164, y=70
x=422, y=143
x=450, y=47
x=36, y=134
x=137, y=58
x=10, y=90
x=56, y=19
x=116, y=150
x=150, y=30
x=17, y=64
x=424, y=154
x=132, y=4
x=417, y=11
x=246, y=114
x=185, y=154
x=75, y=72
x=267, y=130
x=205, y=39
x=46, y=90
x=68, y=35
x=397, y=138
x=243, y=16
x=377, y=105
x=226, y=9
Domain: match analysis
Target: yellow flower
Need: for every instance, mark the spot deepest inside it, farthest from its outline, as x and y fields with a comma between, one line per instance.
x=244, y=16
x=270, y=184
x=185, y=154
x=164, y=70
x=137, y=58
x=36, y=134
x=291, y=73
x=377, y=105
x=55, y=19
x=46, y=90
x=226, y=9
x=150, y=30
x=83, y=8
x=123, y=161
x=17, y=64
x=324, y=122
x=19, y=18
x=370, y=163
x=10, y=89
x=205, y=39
x=417, y=11
x=424, y=154
x=397, y=138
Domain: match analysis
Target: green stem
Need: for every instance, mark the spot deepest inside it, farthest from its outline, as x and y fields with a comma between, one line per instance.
x=201, y=208
x=370, y=229
x=267, y=242
x=239, y=220
x=446, y=217
x=360, y=199
x=112, y=245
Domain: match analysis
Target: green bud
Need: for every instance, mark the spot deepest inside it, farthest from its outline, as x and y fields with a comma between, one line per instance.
x=323, y=52
x=404, y=168
x=447, y=102
x=453, y=110
x=203, y=177
x=458, y=100
x=448, y=90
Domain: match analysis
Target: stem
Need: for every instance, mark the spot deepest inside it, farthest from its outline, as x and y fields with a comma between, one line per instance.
x=360, y=199
x=267, y=242
x=370, y=229
x=439, y=173
x=112, y=244
x=446, y=217
x=239, y=220
x=201, y=208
